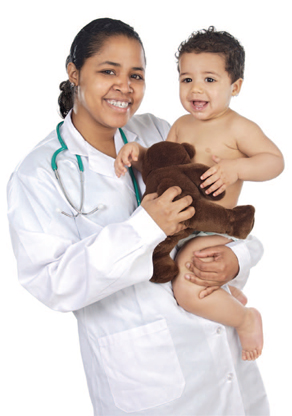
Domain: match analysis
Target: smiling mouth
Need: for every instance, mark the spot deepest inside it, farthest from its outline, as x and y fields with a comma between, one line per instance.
x=119, y=104
x=199, y=105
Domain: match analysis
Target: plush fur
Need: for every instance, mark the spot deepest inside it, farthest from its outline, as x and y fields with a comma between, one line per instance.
x=169, y=164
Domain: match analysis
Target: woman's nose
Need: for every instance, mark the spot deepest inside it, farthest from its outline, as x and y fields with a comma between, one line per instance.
x=123, y=84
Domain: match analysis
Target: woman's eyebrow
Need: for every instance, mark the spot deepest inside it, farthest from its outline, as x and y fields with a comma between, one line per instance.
x=138, y=68
x=109, y=63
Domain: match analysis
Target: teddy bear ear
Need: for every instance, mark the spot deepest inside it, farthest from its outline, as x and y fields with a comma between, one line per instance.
x=190, y=149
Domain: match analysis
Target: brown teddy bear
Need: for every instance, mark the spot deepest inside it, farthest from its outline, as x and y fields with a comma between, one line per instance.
x=169, y=164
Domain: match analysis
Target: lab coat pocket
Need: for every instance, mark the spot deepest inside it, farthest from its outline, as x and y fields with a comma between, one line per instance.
x=142, y=367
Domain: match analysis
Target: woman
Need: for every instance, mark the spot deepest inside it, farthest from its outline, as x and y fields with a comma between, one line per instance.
x=142, y=354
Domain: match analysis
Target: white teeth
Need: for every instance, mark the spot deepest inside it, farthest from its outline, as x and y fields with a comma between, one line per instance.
x=120, y=104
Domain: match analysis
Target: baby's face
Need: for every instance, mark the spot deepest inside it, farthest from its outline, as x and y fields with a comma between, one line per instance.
x=205, y=85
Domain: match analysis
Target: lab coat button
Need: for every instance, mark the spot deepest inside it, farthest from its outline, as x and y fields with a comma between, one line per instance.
x=230, y=376
x=219, y=330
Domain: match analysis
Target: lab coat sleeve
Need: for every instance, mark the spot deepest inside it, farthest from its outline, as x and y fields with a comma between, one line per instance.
x=61, y=270
x=248, y=252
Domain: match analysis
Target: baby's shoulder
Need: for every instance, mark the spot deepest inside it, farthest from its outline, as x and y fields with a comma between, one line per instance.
x=241, y=126
x=185, y=119
x=184, y=122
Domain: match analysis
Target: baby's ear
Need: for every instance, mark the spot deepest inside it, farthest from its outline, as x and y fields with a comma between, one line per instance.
x=190, y=149
x=236, y=87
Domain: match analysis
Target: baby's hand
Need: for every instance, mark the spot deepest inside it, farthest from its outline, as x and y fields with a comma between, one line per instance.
x=220, y=176
x=128, y=153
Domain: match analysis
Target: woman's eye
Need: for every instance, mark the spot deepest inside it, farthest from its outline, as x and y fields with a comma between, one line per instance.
x=209, y=79
x=108, y=72
x=137, y=77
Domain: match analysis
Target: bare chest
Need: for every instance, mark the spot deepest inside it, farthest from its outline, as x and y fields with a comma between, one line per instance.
x=207, y=144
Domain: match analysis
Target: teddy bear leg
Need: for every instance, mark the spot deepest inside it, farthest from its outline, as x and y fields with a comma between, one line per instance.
x=164, y=267
x=242, y=220
x=237, y=222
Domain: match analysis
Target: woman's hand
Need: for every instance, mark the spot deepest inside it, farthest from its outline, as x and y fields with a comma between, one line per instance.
x=216, y=272
x=168, y=214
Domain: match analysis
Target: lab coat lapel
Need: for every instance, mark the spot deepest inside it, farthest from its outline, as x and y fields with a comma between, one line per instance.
x=97, y=161
x=103, y=164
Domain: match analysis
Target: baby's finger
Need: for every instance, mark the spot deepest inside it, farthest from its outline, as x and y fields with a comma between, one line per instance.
x=120, y=171
x=214, y=187
x=220, y=190
x=125, y=161
x=212, y=179
x=209, y=172
x=135, y=154
x=216, y=159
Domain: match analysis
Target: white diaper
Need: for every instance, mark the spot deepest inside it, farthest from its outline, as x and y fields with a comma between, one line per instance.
x=202, y=234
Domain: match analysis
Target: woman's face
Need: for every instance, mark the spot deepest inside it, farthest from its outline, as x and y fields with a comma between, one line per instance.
x=111, y=83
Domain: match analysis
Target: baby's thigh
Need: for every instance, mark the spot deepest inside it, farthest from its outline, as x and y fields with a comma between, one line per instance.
x=185, y=254
x=185, y=291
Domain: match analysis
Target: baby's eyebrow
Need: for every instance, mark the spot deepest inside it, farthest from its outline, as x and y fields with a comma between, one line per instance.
x=211, y=73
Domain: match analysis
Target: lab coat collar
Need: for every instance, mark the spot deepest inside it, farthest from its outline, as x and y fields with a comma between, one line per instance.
x=97, y=161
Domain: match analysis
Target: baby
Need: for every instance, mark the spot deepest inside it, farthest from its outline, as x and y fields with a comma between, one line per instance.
x=211, y=66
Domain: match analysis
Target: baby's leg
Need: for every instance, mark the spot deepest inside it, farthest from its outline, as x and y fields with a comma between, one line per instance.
x=219, y=306
x=238, y=294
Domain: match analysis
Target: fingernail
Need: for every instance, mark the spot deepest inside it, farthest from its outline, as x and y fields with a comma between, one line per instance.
x=187, y=277
x=188, y=265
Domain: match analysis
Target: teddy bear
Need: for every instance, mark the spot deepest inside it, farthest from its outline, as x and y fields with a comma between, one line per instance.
x=169, y=164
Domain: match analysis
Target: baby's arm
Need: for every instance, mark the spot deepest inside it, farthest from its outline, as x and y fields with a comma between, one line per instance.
x=173, y=132
x=263, y=160
x=130, y=154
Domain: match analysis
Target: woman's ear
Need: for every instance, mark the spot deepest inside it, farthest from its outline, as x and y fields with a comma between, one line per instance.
x=73, y=73
x=236, y=87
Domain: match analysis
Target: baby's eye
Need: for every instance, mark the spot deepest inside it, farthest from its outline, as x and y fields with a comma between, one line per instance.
x=187, y=80
x=209, y=79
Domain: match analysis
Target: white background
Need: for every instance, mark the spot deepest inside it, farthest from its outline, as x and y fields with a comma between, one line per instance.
x=40, y=366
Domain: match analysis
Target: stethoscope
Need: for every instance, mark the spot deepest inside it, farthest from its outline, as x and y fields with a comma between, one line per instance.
x=81, y=174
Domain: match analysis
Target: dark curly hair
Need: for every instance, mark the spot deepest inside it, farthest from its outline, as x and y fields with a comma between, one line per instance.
x=212, y=41
x=87, y=43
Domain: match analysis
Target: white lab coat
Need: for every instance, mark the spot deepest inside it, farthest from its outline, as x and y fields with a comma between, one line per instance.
x=142, y=353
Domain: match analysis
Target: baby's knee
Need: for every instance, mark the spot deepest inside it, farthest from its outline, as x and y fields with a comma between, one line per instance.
x=185, y=292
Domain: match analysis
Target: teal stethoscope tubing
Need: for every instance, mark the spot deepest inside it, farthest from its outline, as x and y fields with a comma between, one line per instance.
x=81, y=173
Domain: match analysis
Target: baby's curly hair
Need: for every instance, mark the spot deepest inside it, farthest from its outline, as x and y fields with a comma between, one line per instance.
x=212, y=41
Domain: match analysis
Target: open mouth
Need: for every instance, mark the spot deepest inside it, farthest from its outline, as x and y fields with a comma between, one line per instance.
x=199, y=105
x=119, y=104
